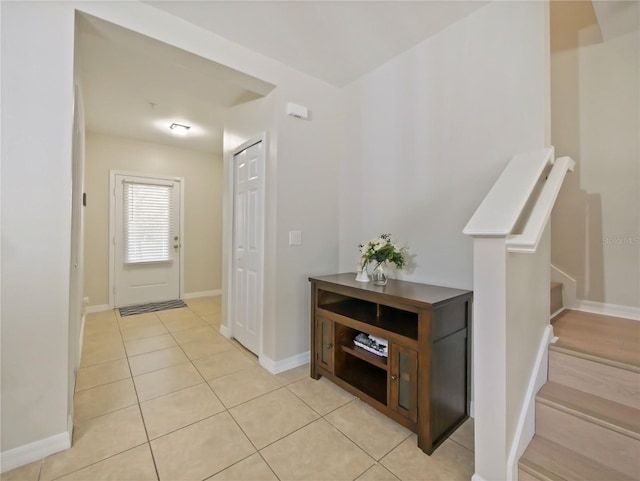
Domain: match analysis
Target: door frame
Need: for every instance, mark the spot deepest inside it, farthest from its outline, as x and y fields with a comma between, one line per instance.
x=112, y=227
x=76, y=278
x=228, y=284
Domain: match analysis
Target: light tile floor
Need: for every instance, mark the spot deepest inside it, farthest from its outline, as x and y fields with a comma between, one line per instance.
x=165, y=397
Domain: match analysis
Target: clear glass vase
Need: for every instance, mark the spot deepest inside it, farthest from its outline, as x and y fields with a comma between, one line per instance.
x=379, y=274
x=362, y=275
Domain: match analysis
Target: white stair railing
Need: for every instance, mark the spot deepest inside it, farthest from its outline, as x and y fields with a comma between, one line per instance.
x=530, y=238
x=511, y=327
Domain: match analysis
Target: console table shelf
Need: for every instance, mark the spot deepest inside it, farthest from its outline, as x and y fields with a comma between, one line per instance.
x=367, y=356
x=424, y=382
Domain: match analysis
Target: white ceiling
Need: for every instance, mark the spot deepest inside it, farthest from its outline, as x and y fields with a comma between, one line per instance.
x=135, y=86
x=336, y=41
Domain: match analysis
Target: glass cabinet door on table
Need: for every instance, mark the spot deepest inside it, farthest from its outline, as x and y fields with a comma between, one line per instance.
x=403, y=381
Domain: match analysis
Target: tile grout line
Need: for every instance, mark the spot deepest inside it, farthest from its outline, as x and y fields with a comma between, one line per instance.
x=311, y=407
x=144, y=424
x=267, y=463
x=182, y=389
x=104, y=414
x=180, y=346
x=102, y=385
x=98, y=461
x=131, y=376
x=276, y=440
x=283, y=384
x=460, y=444
x=257, y=451
x=228, y=411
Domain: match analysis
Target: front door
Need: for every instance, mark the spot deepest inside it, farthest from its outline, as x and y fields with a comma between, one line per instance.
x=147, y=244
x=248, y=239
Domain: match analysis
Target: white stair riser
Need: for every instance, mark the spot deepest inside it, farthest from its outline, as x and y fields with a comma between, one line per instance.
x=603, y=445
x=605, y=381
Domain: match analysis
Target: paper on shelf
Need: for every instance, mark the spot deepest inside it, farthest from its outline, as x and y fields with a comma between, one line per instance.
x=377, y=346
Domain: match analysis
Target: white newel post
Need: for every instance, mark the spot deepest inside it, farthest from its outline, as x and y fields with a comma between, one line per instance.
x=490, y=355
x=511, y=327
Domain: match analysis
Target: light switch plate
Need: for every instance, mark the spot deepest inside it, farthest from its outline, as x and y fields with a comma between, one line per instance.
x=295, y=238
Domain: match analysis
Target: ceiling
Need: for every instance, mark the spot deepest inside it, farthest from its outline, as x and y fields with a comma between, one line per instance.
x=135, y=86
x=336, y=41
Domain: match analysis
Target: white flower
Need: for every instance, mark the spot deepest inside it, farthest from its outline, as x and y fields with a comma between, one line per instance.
x=371, y=251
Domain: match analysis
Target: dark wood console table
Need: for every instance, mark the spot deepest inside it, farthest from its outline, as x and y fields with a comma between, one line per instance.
x=424, y=383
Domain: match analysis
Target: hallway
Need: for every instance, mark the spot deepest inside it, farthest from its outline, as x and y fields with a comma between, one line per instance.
x=165, y=396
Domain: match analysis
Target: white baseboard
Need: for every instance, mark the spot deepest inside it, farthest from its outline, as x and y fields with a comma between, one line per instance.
x=16, y=457
x=477, y=477
x=554, y=314
x=98, y=308
x=615, y=310
x=193, y=295
x=276, y=367
x=525, y=428
x=225, y=331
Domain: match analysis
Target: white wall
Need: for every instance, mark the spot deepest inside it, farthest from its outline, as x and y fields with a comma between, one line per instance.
x=37, y=92
x=428, y=133
x=426, y=136
x=243, y=123
x=309, y=157
x=301, y=194
x=596, y=120
x=37, y=116
x=202, y=241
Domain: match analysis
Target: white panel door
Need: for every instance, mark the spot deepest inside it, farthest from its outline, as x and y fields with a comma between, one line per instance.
x=146, y=240
x=248, y=170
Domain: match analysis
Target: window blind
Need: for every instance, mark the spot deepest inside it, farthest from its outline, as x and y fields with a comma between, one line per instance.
x=147, y=222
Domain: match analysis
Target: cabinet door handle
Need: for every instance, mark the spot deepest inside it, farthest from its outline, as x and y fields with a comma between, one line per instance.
x=394, y=377
x=328, y=346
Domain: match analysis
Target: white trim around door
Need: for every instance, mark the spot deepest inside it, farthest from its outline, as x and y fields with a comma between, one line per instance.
x=230, y=305
x=112, y=226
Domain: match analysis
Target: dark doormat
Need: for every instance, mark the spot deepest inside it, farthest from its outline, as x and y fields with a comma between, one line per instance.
x=151, y=307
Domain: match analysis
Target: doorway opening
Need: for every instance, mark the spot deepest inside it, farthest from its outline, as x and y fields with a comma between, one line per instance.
x=146, y=228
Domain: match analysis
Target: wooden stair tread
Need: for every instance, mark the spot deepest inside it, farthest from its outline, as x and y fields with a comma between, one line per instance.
x=609, y=414
x=548, y=461
x=610, y=340
x=603, y=356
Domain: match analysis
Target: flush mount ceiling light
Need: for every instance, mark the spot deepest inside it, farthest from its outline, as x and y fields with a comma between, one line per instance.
x=179, y=129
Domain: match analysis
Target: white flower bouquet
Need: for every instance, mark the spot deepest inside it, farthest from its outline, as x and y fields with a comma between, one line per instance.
x=380, y=250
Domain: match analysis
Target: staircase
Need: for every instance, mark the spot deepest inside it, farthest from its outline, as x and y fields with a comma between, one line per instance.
x=588, y=413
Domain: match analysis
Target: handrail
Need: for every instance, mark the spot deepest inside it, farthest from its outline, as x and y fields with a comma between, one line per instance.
x=511, y=306
x=528, y=241
x=502, y=208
